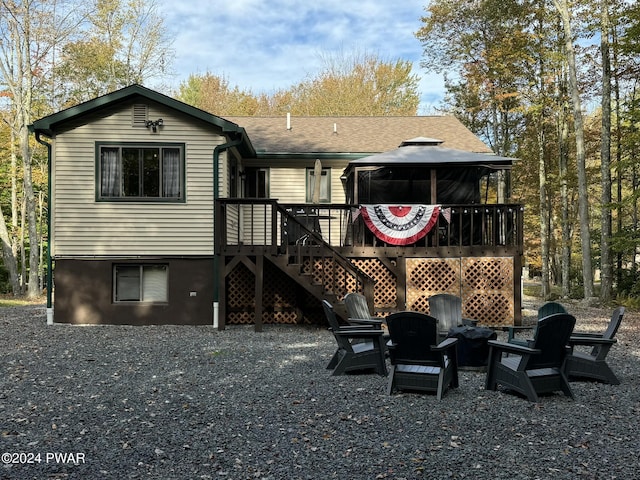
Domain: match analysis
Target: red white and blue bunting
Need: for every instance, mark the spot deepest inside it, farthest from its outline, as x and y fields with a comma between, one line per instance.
x=400, y=224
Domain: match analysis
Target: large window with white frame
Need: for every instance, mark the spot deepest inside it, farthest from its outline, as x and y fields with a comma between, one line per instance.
x=140, y=283
x=140, y=172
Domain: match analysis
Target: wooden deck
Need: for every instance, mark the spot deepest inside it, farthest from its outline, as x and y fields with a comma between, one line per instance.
x=278, y=260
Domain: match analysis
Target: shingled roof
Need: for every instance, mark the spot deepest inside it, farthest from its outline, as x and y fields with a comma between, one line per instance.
x=353, y=134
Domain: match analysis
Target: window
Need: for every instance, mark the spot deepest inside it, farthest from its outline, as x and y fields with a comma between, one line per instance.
x=325, y=185
x=140, y=283
x=143, y=173
x=256, y=182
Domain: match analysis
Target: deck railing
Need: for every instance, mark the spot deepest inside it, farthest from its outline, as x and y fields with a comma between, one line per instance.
x=266, y=223
x=246, y=226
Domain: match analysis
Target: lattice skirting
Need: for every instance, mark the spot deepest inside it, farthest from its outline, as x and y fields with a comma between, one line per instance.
x=384, y=292
x=485, y=284
x=283, y=301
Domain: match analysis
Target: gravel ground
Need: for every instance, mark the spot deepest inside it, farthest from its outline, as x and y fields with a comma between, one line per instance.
x=118, y=402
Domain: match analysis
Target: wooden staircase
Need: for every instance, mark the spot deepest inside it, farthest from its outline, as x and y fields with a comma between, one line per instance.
x=307, y=259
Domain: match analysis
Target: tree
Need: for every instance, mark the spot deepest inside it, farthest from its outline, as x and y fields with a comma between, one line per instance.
x=213, y=94
x=125, y=42
x=347, y=85
x=355, y=84
x=352, y=84
x=503, y=90
x=583, y=199
x=605, y=156
x=7, y=255
x=485, y=44
x=28, y=32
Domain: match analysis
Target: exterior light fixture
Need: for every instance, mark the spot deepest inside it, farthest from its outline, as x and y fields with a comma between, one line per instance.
x=154, y=124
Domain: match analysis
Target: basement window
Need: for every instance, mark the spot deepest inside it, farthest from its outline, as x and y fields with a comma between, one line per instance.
x=140, y=283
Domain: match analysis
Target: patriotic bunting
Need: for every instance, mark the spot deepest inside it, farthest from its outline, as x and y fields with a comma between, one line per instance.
x=400, y=224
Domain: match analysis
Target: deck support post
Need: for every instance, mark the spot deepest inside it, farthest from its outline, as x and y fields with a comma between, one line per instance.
x=259, y=275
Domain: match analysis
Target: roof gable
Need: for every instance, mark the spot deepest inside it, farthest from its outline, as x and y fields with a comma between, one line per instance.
x=293, y=136
x=50, y=124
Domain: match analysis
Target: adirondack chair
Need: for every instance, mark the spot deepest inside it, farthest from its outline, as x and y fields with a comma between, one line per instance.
x=538, y=368
x=545, y=310
x=447, y=309
x=359, y=314
x=358, y=311
x=418, y=361
x=593, y=365
x=351, y=355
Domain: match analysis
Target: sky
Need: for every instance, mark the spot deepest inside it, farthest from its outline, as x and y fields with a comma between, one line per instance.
x=266, y=45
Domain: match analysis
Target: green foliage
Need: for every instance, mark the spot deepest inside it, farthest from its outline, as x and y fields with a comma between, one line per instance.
x=351, y=85
x=214, y=94
x=629, y=284
x=489, y=50
x=93, y=61
x=356, y=85
x=506, y=79
x=5, y=285
x=124, y=42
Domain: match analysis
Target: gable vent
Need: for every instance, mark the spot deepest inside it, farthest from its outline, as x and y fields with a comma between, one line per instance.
x=139, y=115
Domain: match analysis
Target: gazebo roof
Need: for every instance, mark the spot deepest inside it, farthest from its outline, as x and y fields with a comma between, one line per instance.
x=423, y=151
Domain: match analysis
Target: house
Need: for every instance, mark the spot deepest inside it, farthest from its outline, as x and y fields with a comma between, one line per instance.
x=140, y=235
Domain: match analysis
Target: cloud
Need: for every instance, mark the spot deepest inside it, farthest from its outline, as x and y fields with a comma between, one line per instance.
x=264, y=46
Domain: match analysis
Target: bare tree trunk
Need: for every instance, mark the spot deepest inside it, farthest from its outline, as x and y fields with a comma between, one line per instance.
x=633, y=152
x=14, y=189
x=618, y=150
x=634, y=219
x=583, y=198
x=32, y=220
x=18, y=21
x=545, y=213
x=606, y=273
x=564, y=199
x=23, y=257
x=8, y=257
x=12, y=238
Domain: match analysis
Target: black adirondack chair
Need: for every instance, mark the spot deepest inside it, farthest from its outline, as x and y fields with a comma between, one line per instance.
x=535, y=369
x=418, y=361
x=358, y=348
x=593, y=365
x=549, y=308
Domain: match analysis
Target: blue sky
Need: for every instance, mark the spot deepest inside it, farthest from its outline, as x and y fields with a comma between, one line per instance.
x=266, y=45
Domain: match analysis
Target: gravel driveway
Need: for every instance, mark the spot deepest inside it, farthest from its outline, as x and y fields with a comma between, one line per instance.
x=116, y=402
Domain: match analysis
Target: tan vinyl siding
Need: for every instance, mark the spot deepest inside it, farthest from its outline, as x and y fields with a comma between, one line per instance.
x=257, y=232
x=337, y=188
x=84, y=227
x=288, y=185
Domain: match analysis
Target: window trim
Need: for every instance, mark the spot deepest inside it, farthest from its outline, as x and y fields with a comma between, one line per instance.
x=248, y=171
x=141, y=267
x=160, y=145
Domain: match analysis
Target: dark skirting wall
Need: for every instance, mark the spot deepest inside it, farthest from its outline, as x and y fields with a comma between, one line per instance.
x=83, y=293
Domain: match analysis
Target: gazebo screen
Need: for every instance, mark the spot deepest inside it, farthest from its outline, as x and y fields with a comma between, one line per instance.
x=411, y=184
